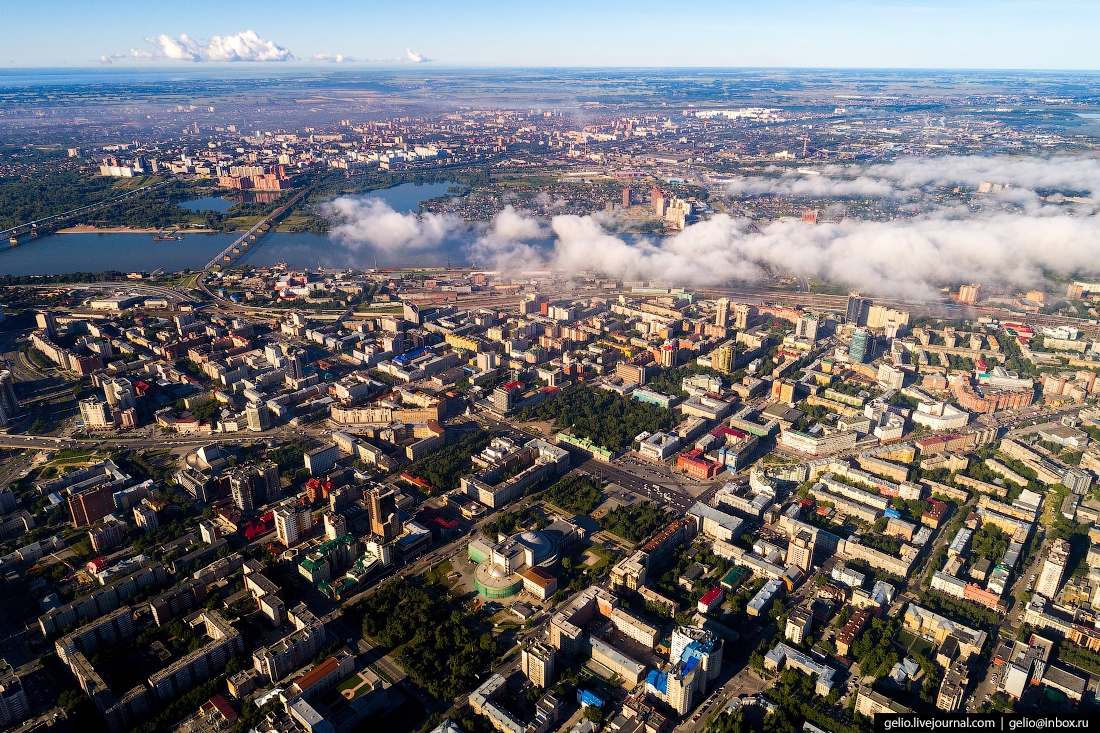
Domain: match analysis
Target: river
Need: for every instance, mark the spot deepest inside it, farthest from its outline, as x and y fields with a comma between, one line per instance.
x=58, y=254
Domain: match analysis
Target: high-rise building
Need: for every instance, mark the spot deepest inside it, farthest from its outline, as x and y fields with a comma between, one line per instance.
x=47, y=324
x=119, y=393
x=722, y=315
x=335, y=525
x=800, y=623
x=271, y=480
x=806, y=327
x=91, y=505
x=1050, y=580
x=258, y=417
x=384, y=521
x=145, y=517
x=659, y=202
x=321, y=460
x=628, y=197
x=292, y=524
x=856, y=312
x=537, y=661
x=861, y=346
x=970, y=293
x=243, y=488
x=722, y=358
x=743, y=312
x=9, y=403
x=105, y=536
x=670, y=352
x=95, y=414
x=295, y=365
x=800, y=551
x=14, y=706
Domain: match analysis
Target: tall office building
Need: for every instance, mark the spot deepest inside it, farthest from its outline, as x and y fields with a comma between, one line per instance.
x=806, y=327
x=384, y=521
x=258, y=417
x=95, y=414
x=722, y=315
x=1050, y=580
x=856, y=312
x=861, y=346
x=537, y=661
x=627, y=197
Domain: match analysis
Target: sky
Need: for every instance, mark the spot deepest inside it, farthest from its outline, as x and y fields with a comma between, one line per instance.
x=978, y=34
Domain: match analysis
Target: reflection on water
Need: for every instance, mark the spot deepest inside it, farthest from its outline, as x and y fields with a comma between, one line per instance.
x=207, y=203
x=61, y=253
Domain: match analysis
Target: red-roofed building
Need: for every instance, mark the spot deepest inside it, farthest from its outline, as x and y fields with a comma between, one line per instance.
x=218, y=707
x=695, y=465
x=97, y=565
x=712, y=600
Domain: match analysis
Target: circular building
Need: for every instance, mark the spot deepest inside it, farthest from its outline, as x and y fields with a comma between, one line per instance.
x=500, y=566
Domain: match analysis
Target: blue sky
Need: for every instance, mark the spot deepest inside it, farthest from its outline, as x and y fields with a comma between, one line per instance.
x=1051, y=34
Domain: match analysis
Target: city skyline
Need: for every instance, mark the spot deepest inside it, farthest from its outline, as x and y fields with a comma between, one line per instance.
x=996, y=34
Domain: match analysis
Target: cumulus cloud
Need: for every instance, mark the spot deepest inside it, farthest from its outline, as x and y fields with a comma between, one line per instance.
x=414, y=57
x=245, y=46
x=909, y=257
x=366, y=221
x=112, y=58
x=903, y=258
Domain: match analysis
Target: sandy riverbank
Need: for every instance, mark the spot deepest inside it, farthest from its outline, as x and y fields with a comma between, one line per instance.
x=86, y=229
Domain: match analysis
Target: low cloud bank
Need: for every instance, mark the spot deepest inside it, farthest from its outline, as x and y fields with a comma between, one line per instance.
x=910, y=257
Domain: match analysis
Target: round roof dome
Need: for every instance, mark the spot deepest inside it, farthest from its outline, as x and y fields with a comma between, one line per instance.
x=541, y=545
x=496, y=571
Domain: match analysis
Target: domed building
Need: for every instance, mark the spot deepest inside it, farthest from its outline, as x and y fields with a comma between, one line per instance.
x=501, y=565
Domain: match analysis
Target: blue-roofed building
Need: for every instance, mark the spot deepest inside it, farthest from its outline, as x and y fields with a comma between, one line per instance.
x=587, y=698
x=696, y=655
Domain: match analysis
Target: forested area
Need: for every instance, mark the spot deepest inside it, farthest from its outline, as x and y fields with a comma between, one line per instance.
x=438, y=650
x=445, y=468
x=575, y=493
x=601, y=416
x=635, y=523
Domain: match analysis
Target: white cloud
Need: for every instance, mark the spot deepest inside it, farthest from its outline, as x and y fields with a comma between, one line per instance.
x=245, y=46
x=414, y=57
x=913, y=178
x=112, y=58
x=334, y=58
x=908, y=257
x=366, y=221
